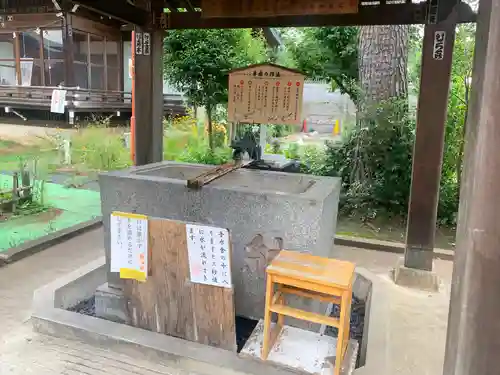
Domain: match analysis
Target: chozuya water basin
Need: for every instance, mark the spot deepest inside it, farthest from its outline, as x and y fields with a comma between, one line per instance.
x=242, y=178
x=263, y=210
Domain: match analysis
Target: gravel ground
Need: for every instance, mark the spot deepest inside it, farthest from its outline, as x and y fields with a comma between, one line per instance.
x=358, y=309
x=86, y=307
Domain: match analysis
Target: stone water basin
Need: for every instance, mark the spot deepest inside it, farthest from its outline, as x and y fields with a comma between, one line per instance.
x=242, y=178
x=264, y=211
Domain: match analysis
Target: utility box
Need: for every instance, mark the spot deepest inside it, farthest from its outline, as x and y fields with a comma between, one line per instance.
x=264, y=211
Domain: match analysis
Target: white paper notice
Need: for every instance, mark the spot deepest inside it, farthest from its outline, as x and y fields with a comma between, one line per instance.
x=209, y=255
x=129, y=245
x=58, y=102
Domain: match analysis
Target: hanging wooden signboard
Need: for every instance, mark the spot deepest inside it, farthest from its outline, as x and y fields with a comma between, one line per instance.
x=267, y=8
x=189, y=292
x=265, y=94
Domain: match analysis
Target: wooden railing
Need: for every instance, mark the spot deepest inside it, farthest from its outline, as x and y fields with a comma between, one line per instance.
x=77, y=99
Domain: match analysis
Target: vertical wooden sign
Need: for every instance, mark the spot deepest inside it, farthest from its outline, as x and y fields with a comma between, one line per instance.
x=138, y=43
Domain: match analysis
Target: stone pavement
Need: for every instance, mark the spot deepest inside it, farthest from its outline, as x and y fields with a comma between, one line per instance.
x=416, y=327
x=417, y=323
x=24, y=352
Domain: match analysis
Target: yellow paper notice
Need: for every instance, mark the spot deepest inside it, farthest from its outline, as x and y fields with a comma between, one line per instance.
x=127, y=273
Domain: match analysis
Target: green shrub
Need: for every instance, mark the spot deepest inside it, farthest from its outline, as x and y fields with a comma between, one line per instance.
x=99, y=149
x=292, y=152
x=175, y=142
x=203, y=155
x=278, y=131
x=192, y=147
x=373, y=161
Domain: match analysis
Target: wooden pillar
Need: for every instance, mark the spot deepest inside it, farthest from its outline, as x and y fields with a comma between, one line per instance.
x=148, y=98
x=68, y=48
x=437, y=54
x=17, y=56
x=473, y=341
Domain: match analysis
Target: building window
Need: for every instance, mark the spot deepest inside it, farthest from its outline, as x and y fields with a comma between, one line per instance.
x=37, y=58
x=53, y=55
x=30, y=44
x=97, y=66
x=81, y=75
x=53, y=46
x=7, y=59
x=31, y=72
x=8, y=73
x=30, y=49
x=54, y=73
x=113, y=64
x=81, y=59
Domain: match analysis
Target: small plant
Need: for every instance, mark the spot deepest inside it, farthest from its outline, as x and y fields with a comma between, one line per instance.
x=25, y=196
x=278, y=131
x=274, y=147
x=292, y=152
x=14, y=242
x=181, y=123
x=51, y=227
x=99, y=149
x=99, y=121
x=218, y=134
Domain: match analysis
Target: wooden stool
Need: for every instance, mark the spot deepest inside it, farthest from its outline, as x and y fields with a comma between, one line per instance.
x=326, y=280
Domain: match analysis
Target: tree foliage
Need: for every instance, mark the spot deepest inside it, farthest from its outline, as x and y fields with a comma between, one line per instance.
x=458, y=103
x=374, y=161
x=198, y=62
x=328, y=53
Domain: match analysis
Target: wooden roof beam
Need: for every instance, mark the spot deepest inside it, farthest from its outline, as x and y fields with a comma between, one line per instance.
x=389, y=14
x=124, y=12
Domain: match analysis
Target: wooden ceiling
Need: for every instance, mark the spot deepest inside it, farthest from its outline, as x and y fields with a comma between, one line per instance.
x=187, y=14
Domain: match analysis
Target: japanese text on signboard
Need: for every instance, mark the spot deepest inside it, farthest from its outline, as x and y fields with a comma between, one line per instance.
x=209, y=255
x=265, y=94
x=129, y=245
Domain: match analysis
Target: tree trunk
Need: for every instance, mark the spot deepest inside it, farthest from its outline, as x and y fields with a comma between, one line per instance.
x=210, y=130
x=383, y=64
x=383, y=75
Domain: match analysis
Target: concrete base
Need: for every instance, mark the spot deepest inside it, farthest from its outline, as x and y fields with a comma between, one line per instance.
x=303, y=351
x=50, y=316
x=110, y=304
x=415, y=278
